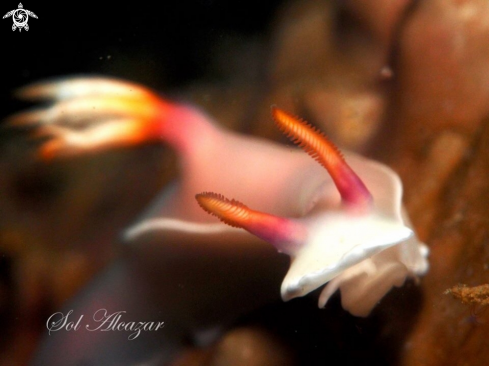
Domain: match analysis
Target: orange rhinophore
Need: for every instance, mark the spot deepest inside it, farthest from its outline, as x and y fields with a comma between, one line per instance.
x=313, y=142
x=286, y=235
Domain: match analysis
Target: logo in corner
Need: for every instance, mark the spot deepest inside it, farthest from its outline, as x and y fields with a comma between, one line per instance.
x=20, y=17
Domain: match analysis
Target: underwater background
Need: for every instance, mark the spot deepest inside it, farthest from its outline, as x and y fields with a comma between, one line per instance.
x=406, y=83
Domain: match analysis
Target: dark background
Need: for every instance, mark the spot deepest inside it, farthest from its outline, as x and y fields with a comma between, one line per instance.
x=165, y=45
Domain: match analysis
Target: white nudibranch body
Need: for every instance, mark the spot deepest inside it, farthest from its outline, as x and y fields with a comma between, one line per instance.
x=337, y=242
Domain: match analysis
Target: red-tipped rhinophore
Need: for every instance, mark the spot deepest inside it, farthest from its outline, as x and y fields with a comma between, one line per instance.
x=312, y=141
x=286, y=235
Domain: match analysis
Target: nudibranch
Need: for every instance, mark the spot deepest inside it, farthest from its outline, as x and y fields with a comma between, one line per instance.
x=343, y=228
x=335, y=239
